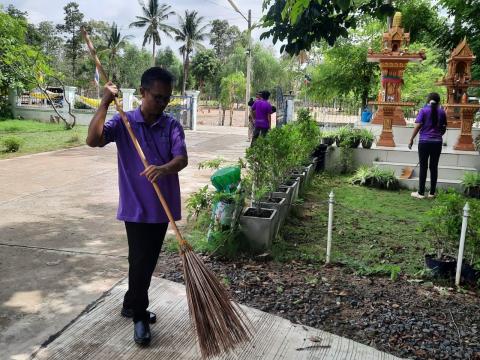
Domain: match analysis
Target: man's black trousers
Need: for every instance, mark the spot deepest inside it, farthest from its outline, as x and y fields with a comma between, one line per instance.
x=144, y=244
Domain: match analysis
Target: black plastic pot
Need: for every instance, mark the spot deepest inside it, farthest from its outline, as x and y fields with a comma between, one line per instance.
x=473, y=192
x=469, y=274
x=354, y=144
x=444, y=267
x=328, y=141
x=367, y=144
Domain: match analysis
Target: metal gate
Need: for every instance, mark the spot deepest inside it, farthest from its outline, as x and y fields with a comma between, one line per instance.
x=281, y=107
x=181, y=108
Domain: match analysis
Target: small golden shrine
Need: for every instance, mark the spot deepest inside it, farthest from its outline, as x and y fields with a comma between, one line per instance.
x=457, y=81
x=393, y=60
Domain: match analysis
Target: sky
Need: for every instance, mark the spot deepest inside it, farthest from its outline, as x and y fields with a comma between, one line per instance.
x=123, y=12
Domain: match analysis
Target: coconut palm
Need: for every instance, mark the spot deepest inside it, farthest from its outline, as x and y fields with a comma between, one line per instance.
x=190, y=32
x=115, y=42
x=154, y=17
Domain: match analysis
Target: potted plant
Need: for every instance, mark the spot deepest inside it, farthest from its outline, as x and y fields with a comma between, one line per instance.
x=443, y=226
x=342, y=134
x=257, y=224
x=471, y=184
x=367, y=138
x=328, y=137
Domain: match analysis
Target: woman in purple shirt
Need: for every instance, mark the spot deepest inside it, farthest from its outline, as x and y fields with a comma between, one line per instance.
x=431, y=123
x=163, y=142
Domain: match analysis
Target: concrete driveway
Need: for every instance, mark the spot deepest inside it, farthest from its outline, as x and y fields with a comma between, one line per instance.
x=60, y=244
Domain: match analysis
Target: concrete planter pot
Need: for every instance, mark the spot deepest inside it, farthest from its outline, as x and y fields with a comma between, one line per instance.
x=309, y=170
x=279, y=204
x=285, y=192
x=303, y=178
x=294, y=183
x=259, y=231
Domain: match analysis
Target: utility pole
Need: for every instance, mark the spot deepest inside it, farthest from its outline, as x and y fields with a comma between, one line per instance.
x=249, y=56
x=389, y=18
x=249, y=66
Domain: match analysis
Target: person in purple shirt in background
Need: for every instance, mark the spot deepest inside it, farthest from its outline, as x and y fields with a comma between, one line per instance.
x=163, y=141
x=432, y=124
x=262, y=113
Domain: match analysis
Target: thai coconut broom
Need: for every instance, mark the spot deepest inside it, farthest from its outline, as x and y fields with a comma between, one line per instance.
x=219, y=322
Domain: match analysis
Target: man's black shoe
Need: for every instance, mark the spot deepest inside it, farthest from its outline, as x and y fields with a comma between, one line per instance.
x=141, y=332
x=128, y=313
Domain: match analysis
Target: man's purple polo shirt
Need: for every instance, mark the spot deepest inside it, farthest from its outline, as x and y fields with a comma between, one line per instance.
x=160, y=142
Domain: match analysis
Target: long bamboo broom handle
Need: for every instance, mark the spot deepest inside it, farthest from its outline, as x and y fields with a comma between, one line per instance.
x=184, y=245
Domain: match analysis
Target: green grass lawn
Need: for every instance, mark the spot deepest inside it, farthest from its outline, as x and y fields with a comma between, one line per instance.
x=38, y=137
x=375, y=231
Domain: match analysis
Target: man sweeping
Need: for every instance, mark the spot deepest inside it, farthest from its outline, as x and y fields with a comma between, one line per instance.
x=163, y=142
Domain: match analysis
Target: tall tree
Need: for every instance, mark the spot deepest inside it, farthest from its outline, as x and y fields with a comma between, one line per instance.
x=190, y=32
x=115, y=42
x=154, y=17
x=20, y=63
x=223, y=38
x=73, y=21
x=303, y=22
x=464, y=22
x=168, y=60
x=132, y=64
x=233, y=90
x=205, y=65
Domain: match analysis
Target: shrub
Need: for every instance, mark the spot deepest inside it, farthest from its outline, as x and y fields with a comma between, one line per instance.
x=471, y=184
x=375, y=177
x=443, y=224
x=12, y=144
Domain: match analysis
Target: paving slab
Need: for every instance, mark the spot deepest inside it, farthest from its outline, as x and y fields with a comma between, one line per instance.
x=100, y=333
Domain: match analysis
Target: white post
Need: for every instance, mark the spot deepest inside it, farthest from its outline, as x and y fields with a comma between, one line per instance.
x=331, y=201
x=461, y=246
x=70, y=97
x=127, y=99
x=290, y=111
x=194, y=94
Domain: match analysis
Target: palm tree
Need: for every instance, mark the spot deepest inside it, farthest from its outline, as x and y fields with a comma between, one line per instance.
x=190, y=32
x=115, y=42
x=153, y=18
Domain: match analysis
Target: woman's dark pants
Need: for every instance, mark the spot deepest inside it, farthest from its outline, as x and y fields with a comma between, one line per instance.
x=429, y=151
x=144, y=244
x=257, y=132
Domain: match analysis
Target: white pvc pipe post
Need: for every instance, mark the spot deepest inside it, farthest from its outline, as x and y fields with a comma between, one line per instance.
x=331, y=201
x=461, y=247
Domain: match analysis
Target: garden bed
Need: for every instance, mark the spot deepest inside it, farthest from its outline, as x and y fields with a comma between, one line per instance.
x=405, y=319
x=377, y=291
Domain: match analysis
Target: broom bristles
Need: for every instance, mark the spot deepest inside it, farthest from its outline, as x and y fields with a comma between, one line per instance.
x=221, y=325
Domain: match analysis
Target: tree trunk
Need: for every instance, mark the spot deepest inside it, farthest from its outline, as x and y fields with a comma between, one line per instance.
x=185, y=73
x=153, y=54
x=231, y=114
x=223, y=116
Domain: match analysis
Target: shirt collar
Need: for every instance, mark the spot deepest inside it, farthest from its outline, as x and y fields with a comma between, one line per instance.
x=138, y=117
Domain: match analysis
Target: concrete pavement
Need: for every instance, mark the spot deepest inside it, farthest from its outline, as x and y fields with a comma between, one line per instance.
x=60, y=244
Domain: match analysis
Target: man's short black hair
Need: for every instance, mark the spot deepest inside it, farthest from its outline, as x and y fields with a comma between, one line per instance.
x=156, y=73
